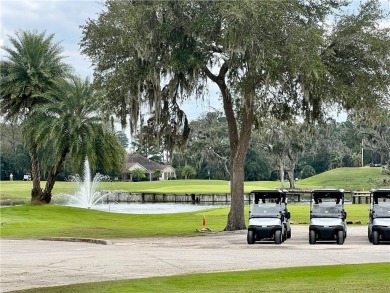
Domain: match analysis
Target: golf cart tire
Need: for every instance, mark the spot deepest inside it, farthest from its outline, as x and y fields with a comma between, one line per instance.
x=340, y=237
x=369, y=235
x=375, y=237
x=312, y=237
x=278, y=237
x=288, y=234
x=250, y=237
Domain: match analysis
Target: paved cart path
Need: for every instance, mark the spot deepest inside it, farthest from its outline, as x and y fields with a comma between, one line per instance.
x=40, y=263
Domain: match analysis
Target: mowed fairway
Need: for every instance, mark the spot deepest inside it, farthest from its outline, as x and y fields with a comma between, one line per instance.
x=353, y=178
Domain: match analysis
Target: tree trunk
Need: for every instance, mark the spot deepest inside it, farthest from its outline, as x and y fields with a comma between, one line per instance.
x=236, y=217
x=36, y=192
x=239, y=143
x=51, y=178
x=281, y=174
x=291, y=178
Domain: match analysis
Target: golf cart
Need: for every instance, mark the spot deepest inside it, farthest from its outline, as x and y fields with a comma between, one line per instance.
x=327, y=216
x=379, y=216
x=269, y=217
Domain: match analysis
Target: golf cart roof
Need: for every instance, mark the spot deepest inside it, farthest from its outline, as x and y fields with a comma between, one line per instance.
x=328, y=193
x=269, y=193
x=381, y=193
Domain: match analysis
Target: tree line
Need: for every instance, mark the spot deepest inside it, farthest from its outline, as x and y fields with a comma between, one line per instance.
x=296, y=151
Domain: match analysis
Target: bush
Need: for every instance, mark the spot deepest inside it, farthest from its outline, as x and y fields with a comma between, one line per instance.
x=307, y=171
x=386, y=169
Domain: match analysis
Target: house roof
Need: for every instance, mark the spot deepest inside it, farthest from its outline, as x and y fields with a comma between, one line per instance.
x=137, y=159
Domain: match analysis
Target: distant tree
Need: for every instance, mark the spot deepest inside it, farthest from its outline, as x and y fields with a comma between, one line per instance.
x=376, y=135
x=257, y=165
x=138, y=173
x=188, y=171
x=307, y=171
x=157, y=173
x=123, y=139
x=208, y=146
x=148, y=147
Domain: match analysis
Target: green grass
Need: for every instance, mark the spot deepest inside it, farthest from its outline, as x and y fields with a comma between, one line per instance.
x=347, y=178
x=319, y=279
x=19, y=191
x=29, y=221
x=353, y=178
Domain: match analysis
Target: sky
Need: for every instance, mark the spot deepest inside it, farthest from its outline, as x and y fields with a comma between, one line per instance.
x=63, y=18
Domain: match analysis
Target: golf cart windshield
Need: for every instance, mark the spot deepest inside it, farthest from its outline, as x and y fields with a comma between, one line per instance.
x=266, y=210
x=326, y=210
x=382, y=210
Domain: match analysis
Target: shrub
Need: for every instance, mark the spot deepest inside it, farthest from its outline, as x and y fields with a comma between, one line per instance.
x=307, y=171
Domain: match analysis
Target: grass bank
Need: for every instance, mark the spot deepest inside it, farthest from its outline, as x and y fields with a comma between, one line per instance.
x=29, y=221
x=341, y=278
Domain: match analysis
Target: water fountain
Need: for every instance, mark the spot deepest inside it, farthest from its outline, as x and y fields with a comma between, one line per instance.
x=87, y=194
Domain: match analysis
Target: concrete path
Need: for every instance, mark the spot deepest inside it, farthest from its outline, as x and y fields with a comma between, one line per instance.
x=38, y=263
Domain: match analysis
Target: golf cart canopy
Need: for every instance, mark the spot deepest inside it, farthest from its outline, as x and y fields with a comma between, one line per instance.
x=380, y=194
x=328, y=194
x=262, y=195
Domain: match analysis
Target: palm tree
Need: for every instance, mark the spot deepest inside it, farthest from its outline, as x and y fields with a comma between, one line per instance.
x=138, y=173
x=188, y=171
x=70, y=124
x=30, y=71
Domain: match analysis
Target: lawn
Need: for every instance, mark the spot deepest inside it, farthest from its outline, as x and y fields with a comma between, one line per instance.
x=355, y=179
x=319, y=279
x=351, y=178
x=28, y=221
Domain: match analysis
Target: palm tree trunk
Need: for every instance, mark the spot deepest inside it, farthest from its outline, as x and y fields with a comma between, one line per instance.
x=36, y=192
x=51, y=178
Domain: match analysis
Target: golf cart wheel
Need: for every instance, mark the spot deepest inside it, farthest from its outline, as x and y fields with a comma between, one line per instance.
x=340, y=237
x=250, y=237
x=278, y=237
x=312, y=237
x=289, y=234
x=375, y=237
x=369, y=235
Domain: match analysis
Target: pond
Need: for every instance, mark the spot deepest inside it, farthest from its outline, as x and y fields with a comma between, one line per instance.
x=152, y=208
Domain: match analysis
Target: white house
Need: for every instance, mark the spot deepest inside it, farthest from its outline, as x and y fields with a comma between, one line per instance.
x=137, y=161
